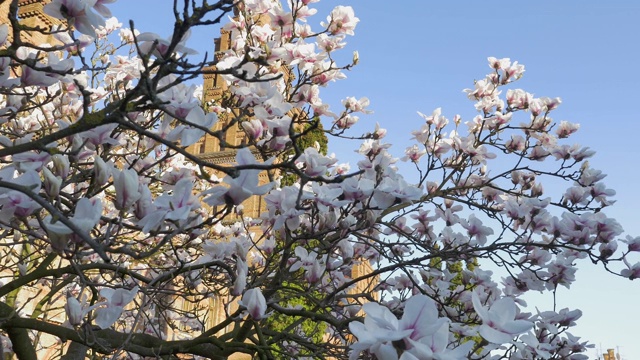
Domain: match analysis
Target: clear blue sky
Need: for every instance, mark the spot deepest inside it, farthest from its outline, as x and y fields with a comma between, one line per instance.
x=417, y=55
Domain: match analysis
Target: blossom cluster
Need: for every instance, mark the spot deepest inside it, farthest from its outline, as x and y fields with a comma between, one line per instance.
x=105, y=207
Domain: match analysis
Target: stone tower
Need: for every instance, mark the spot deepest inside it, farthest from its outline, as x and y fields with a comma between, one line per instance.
x=212, y=150
x=218, y=152
x=209, y=148
x=611, y=355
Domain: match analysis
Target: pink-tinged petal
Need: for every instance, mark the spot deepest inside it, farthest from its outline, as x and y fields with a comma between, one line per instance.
x=127, y=193
x=517, y=326
x=495, y=336
x=255, y=303
x=480, y=310
x=107, y=316
x=408, y=356
x=243, y=186
x=190, y=136
x=116, y=300
x=421, y=316
x=152, y=220
x=253, y=128
x=498, y=324
x=262, y=189
x=216, y=196
x=197, y=117
x=385, y=352
x=74, y=311
x=101, y=170
x=503, y=310
x=379, y=316
x=52, y=183
x=122, y=297
x=180, y=213
x=236, y=195
x=107, y=293
x=56, y=227
x=148, y=36
x=440, y=338
x=83, y=25
x=245, y=157
x=101, y=9
x=360, y=331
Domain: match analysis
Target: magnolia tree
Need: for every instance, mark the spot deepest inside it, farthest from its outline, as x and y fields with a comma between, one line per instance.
x=115, y=238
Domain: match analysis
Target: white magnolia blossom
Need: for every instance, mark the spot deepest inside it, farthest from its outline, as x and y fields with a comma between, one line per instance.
x=115, y=302
x=113, y=208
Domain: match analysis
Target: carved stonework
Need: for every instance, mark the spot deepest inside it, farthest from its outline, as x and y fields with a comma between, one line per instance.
x=31, y=14
x=210, y=149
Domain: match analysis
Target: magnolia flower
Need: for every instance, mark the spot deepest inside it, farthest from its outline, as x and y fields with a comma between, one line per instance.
x=76, y=310
x=498, y=324
x=69, y=43
x=241, y=278
x=255, y=303
x=632, y=242
x=421, y=315
x=51, y=183
x=60, y=165
x=354, y=105
x=315, y=164
x=476, y=230
x=78, y=13
x=499, y=63
x=127, y=36
x=314, y=272
x=32, y=77
x=196, y=116
x=152, y=44
x=241, y=187
x=144, y=206
x=16, y=203
x=86, y=216
x=632, y=271
x=253, y=128
x=381, y=328
x=341, y=21
x=115, y=302
x=565, y=129
x=101, y=171
x=31, y=160
x=435, y=347
x=413, y=153
x=175, y=207
x=100, y=135
x=127, y=192
x=101, y=8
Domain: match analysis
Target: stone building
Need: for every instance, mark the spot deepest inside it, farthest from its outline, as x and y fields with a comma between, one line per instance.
x=35, y=27
x=208, y=148
x=610, y=355
x=212, y=150
x=32, y=18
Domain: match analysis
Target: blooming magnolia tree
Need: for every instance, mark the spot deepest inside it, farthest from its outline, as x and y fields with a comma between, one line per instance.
x=115, y=238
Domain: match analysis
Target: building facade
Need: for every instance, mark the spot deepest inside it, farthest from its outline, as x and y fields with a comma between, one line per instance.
x=34, y=21
x=218, y=150
x=212, y=149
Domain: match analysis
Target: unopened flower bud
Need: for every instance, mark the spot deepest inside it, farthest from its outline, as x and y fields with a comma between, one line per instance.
x=52, y=183
x=255, y=303
x=60, y=165
x=74, y=311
